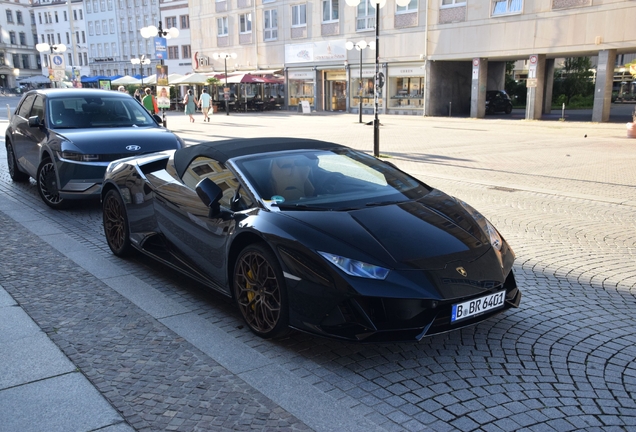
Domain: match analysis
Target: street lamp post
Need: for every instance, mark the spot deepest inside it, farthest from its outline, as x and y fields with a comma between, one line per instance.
x=44, y=47
x=225, y=56
x=143, y=60
x=160, y=33
x=360, y=46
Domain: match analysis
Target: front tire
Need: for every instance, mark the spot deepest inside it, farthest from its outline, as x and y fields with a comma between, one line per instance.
x=48, y=186
x=14, y=170
x=508, y=109
x=116, y=228
x=259, y=291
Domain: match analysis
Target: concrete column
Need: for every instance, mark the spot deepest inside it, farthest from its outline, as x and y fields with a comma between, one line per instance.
x=478, y=88
x=535, y=84
x=496, y=75
x=603, y=87
x=549, y=86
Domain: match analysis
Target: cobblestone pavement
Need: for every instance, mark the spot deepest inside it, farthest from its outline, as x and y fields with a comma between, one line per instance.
x=170, y=356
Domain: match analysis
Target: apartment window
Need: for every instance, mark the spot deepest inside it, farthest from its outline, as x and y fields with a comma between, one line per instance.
x=506, y=7
x=113, y=48
x=35, y=40
x=79, y=57
x=366, y=16
x=245, y=23
x=86, y=59
x=25, y=61
x=98, y=28
x=185, y=51
x=9, y=16
x=329, y=10
x=221, y=26
x=100, y=50
x=75, y=14
x=40, y=17
x=106, y=50
x=16, y=60
x=83, y=36
x=59, y=39
x=68, y=39
x=171, y=22
x=12, y=37
x=65, y=16
x=81, y=14
x=185, y=21
x=270, y=18
x=90, y=28
x=32, y=18
x=412, y=6
x=18, y=17
x=77, y=38
x=299, y=15
x=102, y=4
x=70, y=59
x=112, y=26
x=2, y=58
x=110, y=4
x=173, y=53
x=57, y=19
x=23, y=38
x=93, y=51
x=88, y=7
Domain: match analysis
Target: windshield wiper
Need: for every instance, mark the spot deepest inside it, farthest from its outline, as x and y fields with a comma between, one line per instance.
x=299, y=207
x=383, y=203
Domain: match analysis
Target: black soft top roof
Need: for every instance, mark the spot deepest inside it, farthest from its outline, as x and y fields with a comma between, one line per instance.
x=228, y=149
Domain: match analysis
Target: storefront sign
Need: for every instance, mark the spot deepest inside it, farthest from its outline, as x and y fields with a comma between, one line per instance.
x=316, y=51
x=406, y=71
x=306, y=74
x=201, y=61
x=336, y=75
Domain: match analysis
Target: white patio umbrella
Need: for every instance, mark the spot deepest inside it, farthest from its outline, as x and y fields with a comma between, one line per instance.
x=126, y=80
x=195, y=78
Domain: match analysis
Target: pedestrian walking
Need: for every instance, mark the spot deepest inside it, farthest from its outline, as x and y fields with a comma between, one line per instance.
x=190, y=102
x=204, y=104
x=149, y=102
x=122, y=89
x=137, y=95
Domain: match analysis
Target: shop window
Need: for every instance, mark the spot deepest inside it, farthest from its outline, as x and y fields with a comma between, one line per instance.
x=505, y=7
x=406, y=92
x=330, y=10
x=366, y=16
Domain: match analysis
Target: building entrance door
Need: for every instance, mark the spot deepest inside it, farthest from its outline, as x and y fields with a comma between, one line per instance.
x=336, y=96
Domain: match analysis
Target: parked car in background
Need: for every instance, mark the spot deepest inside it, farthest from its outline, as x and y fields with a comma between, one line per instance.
x=498, y=101
x=314, y=236
x=65, y=139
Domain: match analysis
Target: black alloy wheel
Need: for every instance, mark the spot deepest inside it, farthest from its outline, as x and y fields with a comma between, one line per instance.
x=14, y=171
x=259, y=290
x=47, y=185
x=116, y=226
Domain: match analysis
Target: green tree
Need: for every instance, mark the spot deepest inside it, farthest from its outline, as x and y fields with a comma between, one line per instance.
x=574, y=79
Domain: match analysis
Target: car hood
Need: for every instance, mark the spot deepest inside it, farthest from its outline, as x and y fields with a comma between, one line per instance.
x=425, y=234
x=115, y=140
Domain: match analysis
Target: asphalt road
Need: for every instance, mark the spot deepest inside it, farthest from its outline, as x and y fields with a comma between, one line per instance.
x=168, y=355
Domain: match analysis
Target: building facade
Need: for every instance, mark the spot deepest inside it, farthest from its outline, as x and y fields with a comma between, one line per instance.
x=18, y=36
x=180, y=59
x=433, y=54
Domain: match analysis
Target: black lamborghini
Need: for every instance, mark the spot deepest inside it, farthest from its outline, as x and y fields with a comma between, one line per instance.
x=313, y=236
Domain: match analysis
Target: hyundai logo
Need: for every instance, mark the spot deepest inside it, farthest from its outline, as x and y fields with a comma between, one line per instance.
x=133, y=148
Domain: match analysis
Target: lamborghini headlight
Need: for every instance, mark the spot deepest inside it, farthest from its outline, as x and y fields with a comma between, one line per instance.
x=356, y=268
x=495, y=239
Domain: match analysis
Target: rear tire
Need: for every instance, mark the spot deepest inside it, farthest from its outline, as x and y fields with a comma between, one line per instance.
x=48, y=186
x=260, y=293
x=14, y=170
x=116, y=227
x=508, y=109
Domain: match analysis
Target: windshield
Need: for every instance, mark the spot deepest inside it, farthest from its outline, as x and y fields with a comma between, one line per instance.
x=327, y=180
x=97, y=112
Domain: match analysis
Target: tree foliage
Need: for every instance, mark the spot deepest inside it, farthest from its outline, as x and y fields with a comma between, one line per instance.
x=574, y=79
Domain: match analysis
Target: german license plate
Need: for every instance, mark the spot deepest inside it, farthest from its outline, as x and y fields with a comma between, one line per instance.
x=478, y=306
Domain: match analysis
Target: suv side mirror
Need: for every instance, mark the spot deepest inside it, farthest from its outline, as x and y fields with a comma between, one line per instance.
x=34, y=121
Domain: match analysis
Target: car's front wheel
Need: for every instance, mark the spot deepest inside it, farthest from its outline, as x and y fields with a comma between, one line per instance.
x=12, y=163
x=48, y=186
x=508, y=109
x=116, y=226
x=259, y=291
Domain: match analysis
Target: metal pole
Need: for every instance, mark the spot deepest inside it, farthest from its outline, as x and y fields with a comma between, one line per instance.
x=360, y=88
x=376, y=120
x=226, y=97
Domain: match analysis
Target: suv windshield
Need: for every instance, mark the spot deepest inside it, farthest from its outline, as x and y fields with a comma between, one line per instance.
x=97, y=112
x=327, y=180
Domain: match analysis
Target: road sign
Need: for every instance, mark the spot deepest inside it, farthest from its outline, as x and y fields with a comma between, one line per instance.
x=57, y=61
x=58, y=75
